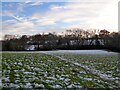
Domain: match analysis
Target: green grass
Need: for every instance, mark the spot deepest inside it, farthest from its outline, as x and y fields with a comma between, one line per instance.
x=38, y=70
x=108, y=64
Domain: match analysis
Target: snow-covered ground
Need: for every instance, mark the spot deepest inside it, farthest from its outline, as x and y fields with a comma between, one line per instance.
x=83, y=52
x=45, y=69
x=89, y=67
x=102, y=52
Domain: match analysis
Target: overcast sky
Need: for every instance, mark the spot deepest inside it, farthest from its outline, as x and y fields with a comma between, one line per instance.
x=37, y=17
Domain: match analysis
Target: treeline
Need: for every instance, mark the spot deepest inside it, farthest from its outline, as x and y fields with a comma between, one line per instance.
x=71, y=39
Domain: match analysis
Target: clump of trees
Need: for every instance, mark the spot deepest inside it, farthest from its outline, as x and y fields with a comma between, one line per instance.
x=71, y=39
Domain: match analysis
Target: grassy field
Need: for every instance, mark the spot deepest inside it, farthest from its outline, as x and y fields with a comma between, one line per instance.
x=42, y=70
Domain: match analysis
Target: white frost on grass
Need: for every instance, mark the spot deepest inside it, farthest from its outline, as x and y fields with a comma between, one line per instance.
x=20, y=63
x=51, y=78
x=6, y=79
x=36, y=69
x=27, y=73
x=82, y=72
x=17, y=81
x=12, y=85
x=16, y=70
x=70, y=86
x=66, y=79
x=49, y=81
x=30, y=72
x=88, y=79
x=39, y=85
x=96, y=72
x=91, y=70
x=17, y=75
x=62, y=78
x=28, y=85
x=0, y=82
x=83, y=52
x=56, y=86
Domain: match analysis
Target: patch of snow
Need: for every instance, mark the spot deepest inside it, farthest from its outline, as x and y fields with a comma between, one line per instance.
x=20, y=63
x=82, y=72
x=49, y=81
x=17, y=75
x=70, y=86
x=52, y=78
x=6, y=79
x=88, y=79
x=62, y=78
x=16, y=81
x=36, y=69
x=0, y=83
x=39, y=85
x=16, y=70
x=92, y=70
x=56, y=86
x=28, y=85
x=27, y=73
x=66, y=79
